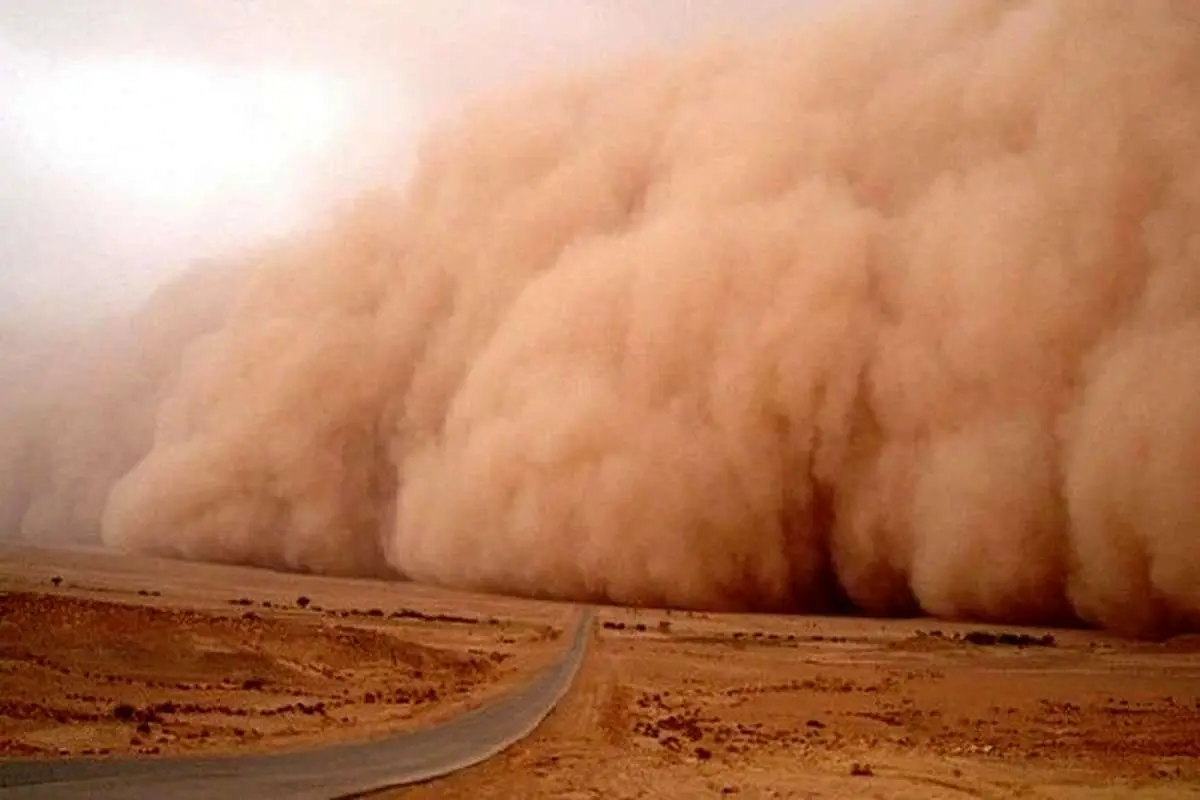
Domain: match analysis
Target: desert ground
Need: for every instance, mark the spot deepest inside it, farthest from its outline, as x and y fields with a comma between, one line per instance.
x=698, y=705
x=103, y=654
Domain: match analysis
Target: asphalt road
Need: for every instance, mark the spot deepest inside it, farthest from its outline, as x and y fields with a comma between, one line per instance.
x=329, y=772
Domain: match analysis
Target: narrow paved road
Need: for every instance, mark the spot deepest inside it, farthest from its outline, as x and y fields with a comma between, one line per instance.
x=331, y=772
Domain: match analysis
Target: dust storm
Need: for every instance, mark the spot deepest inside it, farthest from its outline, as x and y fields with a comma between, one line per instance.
x=899, y=309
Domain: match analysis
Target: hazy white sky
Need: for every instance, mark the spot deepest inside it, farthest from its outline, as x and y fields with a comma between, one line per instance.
x=139, y=135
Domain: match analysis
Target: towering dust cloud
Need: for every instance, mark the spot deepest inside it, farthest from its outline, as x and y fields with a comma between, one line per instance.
x=902, y=308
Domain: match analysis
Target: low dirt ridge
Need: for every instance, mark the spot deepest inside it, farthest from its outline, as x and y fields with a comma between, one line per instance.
x=81, y=676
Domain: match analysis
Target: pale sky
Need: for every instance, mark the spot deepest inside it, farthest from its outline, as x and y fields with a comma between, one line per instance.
x=137, y=136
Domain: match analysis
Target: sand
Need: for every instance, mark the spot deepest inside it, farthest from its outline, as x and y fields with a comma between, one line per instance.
x=701, y=705
x=104, y=655
x=210, y=658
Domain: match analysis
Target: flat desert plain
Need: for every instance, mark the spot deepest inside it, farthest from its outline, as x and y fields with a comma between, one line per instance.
x=681, y=705
x=105, y=654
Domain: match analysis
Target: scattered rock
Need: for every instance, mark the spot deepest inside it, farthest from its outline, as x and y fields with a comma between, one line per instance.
x=986, y=639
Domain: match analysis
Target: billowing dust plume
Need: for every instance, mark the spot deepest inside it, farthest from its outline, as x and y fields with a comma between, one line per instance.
x=901, y=309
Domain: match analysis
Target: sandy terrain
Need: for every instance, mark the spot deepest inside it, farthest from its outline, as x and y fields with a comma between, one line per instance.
x=765, y=707
x=102, y=654
x=128, y=655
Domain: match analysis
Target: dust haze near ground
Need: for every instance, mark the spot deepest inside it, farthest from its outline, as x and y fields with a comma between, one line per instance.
x=901, y=308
